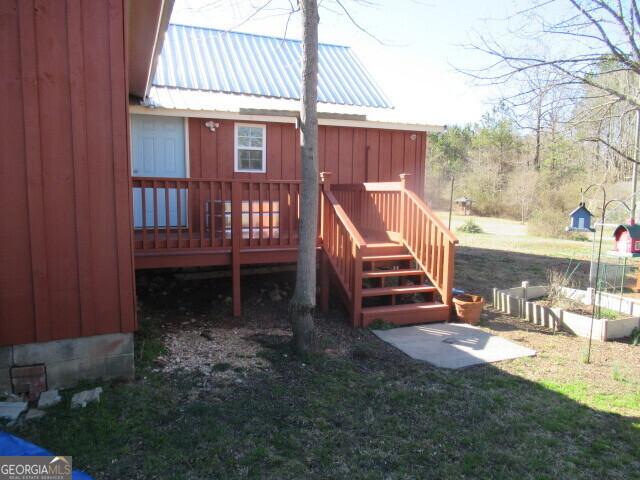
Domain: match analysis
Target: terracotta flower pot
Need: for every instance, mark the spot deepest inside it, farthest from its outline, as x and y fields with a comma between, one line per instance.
x=468, y=308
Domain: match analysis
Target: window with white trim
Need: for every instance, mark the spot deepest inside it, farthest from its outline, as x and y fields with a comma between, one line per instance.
x=250, y=148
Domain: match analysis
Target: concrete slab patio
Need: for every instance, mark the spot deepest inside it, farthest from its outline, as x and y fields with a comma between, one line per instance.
x=452, y=345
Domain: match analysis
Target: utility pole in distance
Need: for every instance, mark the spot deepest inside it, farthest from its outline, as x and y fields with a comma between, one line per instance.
x=634, y=174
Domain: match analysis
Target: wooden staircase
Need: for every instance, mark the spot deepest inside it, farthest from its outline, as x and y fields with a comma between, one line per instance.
x=406, y=279
x=395, y=291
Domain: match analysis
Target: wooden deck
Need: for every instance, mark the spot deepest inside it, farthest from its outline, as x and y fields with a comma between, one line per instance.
x=378, y=242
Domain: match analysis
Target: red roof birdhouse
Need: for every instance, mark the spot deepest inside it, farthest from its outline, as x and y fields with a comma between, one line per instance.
x=627, y=237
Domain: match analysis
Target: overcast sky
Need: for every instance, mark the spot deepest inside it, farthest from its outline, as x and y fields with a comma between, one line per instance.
x=422, y=44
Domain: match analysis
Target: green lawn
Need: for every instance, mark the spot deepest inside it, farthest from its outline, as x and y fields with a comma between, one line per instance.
x=510, y=235
x=528, y=244
x=358, y=409
x=349, y=418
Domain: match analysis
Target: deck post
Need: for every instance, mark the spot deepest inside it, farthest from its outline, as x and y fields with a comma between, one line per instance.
x=448, y=269
x=325, y=181
x=403, y=188
x=324, y=282
x=236, y=240
x=356, y=292
x=325, y=186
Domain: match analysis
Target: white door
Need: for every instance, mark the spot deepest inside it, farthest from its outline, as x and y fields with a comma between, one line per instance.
x=158, y=150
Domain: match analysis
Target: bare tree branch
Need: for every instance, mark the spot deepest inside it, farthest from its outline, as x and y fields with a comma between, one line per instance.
x=611, y=147
x=251, y=15
x=596, y=22
x=358, y=25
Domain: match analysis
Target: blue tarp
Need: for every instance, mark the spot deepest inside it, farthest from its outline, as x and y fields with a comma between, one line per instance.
x=11, y=445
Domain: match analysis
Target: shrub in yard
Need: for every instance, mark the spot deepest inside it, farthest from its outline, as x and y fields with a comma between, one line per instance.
x=470, y=227
x=552, y=222
x=558, y=194
x=635, y=336
x=617, y=375
x=558, y=280
x=547, y=222
x=484, y=184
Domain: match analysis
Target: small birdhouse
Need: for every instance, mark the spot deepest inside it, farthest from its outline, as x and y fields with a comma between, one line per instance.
x=580, y=220
x=627, y=237
x=464, y=205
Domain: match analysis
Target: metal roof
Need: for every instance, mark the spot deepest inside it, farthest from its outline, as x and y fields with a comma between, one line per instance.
x=634, y=230
x=203, y=103
x=207, y=59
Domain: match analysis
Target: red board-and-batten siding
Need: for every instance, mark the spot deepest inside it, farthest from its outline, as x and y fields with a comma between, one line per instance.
x=65, y=237
x=353, y=155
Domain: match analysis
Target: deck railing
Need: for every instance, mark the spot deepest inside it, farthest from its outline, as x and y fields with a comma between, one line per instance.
x=343, y=245
x=174, y=213
x=234, y=215
x=429, y=241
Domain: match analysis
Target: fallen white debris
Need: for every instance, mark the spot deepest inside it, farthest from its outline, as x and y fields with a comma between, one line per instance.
x=81, y=399
x=12, y=410
x=49, y=398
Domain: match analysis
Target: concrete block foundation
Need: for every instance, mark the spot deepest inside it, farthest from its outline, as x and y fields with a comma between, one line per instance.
x=5, y=381
x=67, y=362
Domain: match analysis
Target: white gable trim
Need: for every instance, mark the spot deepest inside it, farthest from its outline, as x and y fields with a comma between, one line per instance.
x=222, y=115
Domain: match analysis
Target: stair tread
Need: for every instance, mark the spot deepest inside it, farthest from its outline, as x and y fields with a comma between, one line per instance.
x=406, y=307
x=392, y=273
x=399, y=290
x=373, y=246
x=379, y=249
x=381, y=258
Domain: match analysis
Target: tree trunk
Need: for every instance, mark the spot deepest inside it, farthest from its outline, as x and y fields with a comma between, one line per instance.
x=303, y=302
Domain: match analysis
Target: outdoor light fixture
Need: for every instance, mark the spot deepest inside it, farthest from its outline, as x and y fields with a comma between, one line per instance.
x=580, y=221
x=211, y=125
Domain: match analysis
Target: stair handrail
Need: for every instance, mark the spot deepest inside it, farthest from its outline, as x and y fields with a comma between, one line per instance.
x=436, y=259
x=368, y=187
x=434, y=218
x=350, y=275
x=325, y=180
x=345, y=220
